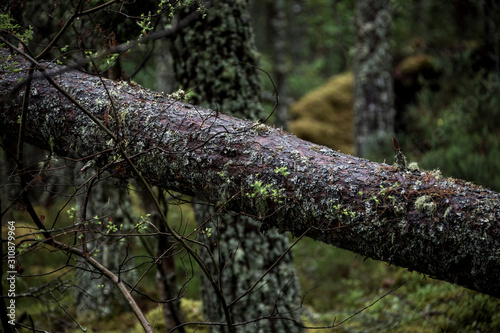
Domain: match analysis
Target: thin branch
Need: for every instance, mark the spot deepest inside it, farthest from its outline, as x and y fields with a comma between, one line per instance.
x=67, y=313
x=269, y=269
x=61, y=32
x=144, y=182
x=107, y=273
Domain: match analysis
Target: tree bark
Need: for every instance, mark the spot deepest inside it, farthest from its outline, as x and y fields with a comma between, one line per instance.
x=106, y=205
x=373, y=91
x=229, y=82
x=278, y=36
x=444, y=227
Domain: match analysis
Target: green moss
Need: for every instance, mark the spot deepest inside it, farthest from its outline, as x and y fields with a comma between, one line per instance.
x=260, y=128
x=225, y=59
x=190, y=307
x=325, y=115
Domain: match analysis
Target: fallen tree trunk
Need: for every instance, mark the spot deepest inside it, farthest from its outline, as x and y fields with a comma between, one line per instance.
x=443, y=227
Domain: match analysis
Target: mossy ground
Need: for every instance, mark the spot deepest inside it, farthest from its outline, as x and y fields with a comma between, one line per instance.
x=339, y=283
x=325, y=115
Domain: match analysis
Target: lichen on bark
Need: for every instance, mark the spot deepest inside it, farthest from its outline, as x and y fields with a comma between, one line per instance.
x=216, y=58
x=183, y=148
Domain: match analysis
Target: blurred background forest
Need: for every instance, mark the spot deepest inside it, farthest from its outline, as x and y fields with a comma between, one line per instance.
x=445, y=70
x=446, y=75
x=446, y=88
x=445, y=61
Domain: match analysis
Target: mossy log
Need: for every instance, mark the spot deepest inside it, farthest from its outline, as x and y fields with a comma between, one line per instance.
x=443, y=227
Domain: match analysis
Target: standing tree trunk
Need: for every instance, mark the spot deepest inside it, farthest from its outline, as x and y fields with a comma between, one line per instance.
x=490, y=7
x=373, y=92
x=107, y=207
x=166, y=278
x=278, y=36
x=216, y=58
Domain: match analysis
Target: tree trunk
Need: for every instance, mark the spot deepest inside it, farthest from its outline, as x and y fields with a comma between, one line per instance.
x=166, y=277
x=443, y=227
x=373, y=92
x=278, y=37
x=107, y=206
x=230, y=83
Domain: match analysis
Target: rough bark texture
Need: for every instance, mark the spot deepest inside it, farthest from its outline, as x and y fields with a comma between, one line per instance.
x=216, y=57
x=373, y=92
x=443, y=227
x=278, y=36
x=224, y=57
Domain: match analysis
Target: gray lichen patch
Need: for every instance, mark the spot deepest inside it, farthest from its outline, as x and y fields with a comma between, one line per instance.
x=425, y=204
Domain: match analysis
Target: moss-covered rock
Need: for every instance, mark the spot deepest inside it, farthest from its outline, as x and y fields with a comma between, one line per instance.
x=325, y=115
